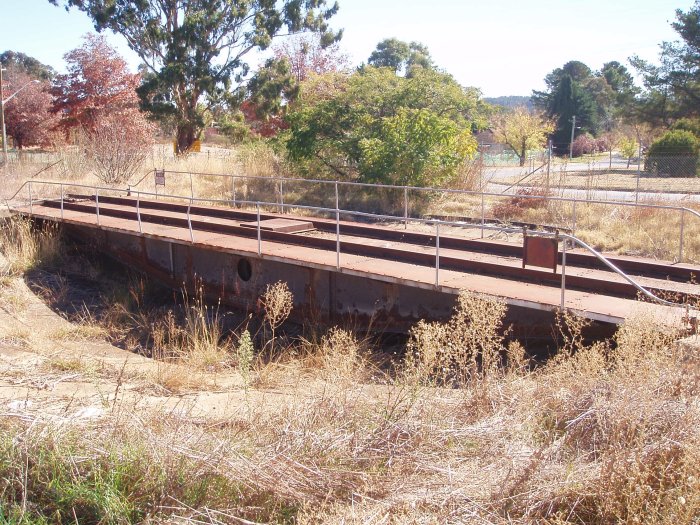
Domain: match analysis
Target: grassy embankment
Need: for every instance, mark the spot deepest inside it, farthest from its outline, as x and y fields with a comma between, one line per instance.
x=463, y=428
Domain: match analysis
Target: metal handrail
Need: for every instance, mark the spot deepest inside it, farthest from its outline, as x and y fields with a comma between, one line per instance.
x=482, y=194
x=338, y=212
x=424, y=188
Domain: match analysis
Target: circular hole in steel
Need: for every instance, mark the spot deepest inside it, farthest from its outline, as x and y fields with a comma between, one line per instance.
x=245, y=270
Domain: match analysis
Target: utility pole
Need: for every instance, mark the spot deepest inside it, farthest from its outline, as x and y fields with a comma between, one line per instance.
x=2, y=119
x=571, y=144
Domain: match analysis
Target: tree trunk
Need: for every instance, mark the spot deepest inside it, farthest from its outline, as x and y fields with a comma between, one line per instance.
x=185, y=137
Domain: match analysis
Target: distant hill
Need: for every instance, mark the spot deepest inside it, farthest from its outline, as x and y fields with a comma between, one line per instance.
x=511, y=101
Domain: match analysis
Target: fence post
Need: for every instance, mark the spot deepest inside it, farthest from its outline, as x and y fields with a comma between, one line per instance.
x=573, y=226
x=437, y=254
x=233, y=189
x=639, y=173
x=97, y=205
x=405, y=207
x=281, y=197
x=680, y=248
x=191, y=188
x=61, y=201
x=189, y=221
x=563, y=271
x=138, y=210
x=29, y=187
x=257, y=204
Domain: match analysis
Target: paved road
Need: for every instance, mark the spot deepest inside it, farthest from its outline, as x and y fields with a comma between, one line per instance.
x=498, y=175
x=609, y=195
x=507, y=172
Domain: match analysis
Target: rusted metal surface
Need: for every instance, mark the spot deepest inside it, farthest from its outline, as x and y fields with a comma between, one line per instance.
x=630, y=264
x=375, y=246
x=376, y=281
x=540, y=251
x=281, y=225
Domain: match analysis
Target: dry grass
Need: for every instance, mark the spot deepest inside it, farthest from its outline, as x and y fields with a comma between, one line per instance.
x=467, y=431
x=21, y=249
x=648, y=232
x=601, y=434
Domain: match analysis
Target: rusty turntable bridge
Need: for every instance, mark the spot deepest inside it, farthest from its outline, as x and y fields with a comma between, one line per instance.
x=344, y=264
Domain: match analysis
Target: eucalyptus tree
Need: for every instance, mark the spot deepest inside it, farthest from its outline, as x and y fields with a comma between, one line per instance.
x=195, y=51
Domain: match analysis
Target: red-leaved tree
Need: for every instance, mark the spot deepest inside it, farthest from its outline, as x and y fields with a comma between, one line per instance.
x=306, y=55
x=28, y=116
x=97, y=98
x=98, y=83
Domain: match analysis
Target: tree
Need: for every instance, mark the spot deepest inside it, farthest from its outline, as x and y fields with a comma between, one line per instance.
x=97, y=100
x=195, y=48
x=673, y=87
x=380, y=127
x=29, y=65
x=621, y=82
x=629, y=148
x=415, y=147
x=567, y=95
x=307, y=55
x=521, y=130
x=98, y=83
x=118, y=144
x=28, y=116
x=401, y=56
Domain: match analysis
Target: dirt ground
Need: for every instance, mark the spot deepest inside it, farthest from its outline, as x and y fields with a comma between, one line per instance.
x=52, y=367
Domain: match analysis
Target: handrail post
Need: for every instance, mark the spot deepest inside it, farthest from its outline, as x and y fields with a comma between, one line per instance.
x=405, y=207
x=563, y=271
x=336, y=195
x=257, y=205
x=233, y=189
x=191, y=188
x=61, y=201
x=337, y=239
x=97, y=205
x=680, y=247
x=29, y=187
x=483, y=212
x=138, y=210
x=189, y=221
x=437, y=254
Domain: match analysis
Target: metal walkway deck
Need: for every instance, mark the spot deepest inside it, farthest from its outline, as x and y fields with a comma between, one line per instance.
x=368, y=259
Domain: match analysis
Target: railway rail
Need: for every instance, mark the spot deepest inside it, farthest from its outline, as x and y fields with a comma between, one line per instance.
x=599, y=286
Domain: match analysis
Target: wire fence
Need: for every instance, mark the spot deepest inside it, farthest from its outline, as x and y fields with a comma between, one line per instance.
x=603, y=177
x=666, y=230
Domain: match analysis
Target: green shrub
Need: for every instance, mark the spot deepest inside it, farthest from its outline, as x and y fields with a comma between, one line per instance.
x=674, y=154
x=688, y=124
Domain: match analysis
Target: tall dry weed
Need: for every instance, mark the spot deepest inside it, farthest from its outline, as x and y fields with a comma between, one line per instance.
x=468, y=347
x=24, y=245
x=277, y=302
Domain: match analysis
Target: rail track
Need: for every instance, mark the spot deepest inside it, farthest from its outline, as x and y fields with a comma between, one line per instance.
x=584, y=272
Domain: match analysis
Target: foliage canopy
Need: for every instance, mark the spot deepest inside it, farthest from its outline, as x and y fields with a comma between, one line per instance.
x=383, y=127
x=193, y=49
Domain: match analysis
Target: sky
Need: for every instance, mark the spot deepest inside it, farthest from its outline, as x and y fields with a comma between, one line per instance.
x=503, y=47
